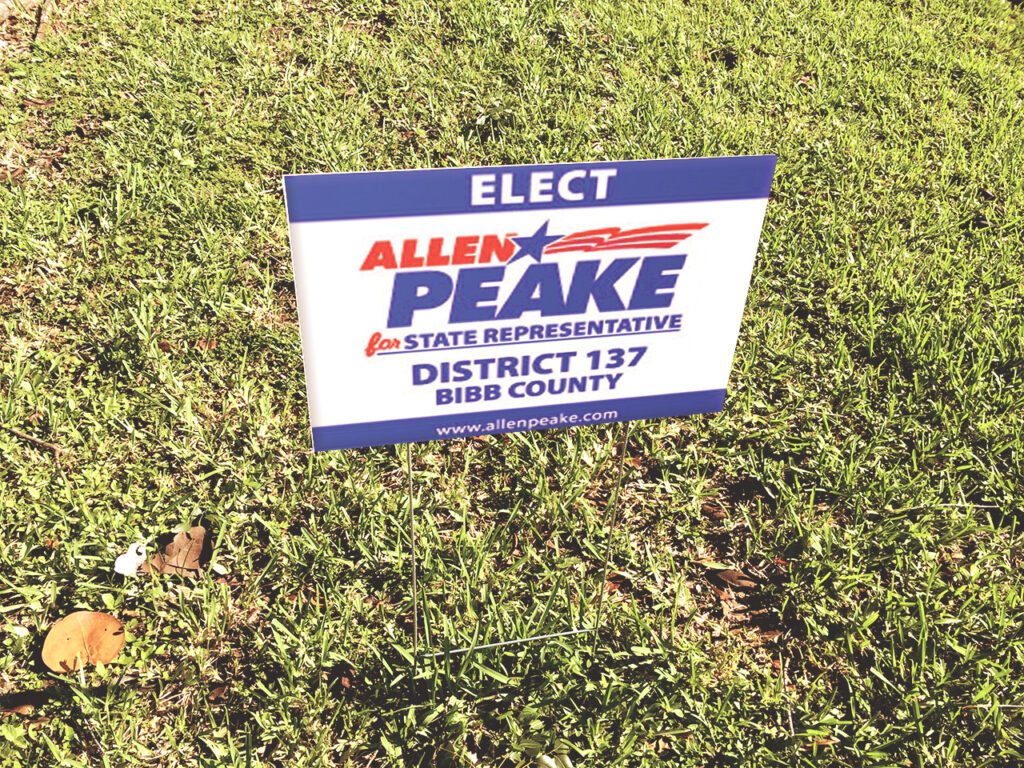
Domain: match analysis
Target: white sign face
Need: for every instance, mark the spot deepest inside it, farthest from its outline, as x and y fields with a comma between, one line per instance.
x=469, y=301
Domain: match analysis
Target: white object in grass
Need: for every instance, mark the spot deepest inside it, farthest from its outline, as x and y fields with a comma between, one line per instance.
x=128, y=563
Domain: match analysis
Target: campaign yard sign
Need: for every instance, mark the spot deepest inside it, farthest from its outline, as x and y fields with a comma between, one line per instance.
x=470, y=301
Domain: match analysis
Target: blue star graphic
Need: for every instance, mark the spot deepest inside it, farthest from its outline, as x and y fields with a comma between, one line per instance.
x=535, y=244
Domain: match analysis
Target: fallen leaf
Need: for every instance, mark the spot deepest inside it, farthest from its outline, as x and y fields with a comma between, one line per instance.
x=732, y=609
x=182, y=556
x=20, y=709
x=819, y=742
x=618, y=582
x=725, y=596
x=11, y=174
x=165, y=346
x=714, y=511
x=217, y=693
x=128, y=563
x=351, y=91
x=736, y=579
x=51, y=543
x=342, y=680
x=206, y=344
x=25, y=702
x=82, y=637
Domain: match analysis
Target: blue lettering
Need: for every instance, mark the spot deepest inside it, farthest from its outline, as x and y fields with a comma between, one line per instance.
x=406, y=297
x=587, y=284
x=648, y=293
x=471, y=293
x=539, y=289
x=540, y=279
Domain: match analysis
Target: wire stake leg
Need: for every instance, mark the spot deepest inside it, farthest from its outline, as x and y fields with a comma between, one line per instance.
x=613, y=508
x=412, y=541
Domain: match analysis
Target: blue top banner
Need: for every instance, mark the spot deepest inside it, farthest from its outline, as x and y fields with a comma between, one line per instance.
x=384, y=194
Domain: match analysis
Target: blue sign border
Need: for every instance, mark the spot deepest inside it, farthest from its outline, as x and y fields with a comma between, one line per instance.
x=431, y=192
x=427, y=428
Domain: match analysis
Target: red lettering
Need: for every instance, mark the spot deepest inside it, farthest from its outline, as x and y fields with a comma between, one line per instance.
x=465, y=249
x=381, y=255
x=434, y=256
x=379, y=344
x=464, y=252
x=500, y=249
x=409, y=259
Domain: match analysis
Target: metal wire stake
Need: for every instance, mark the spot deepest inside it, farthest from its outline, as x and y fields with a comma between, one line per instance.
x=503, y=643
x=412, y=539
x=613, y=507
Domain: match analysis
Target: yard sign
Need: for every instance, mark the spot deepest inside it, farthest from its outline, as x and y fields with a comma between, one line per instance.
x=470, y=301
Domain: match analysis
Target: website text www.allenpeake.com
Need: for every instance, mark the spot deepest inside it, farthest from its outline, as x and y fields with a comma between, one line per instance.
x=540, y=422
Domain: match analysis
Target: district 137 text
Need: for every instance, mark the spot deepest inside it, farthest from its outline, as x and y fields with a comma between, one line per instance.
x=525, y=376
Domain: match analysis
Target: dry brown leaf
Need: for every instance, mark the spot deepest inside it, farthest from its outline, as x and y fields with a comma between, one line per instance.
x=343, y=680
x=732, y=609
x=182, y=555
x=714, y=511
x=725, y=596
x=19, y=709
x=736, y=579
x=618, y=583
x=82, y=637
x=217, y=693
x=820, y=742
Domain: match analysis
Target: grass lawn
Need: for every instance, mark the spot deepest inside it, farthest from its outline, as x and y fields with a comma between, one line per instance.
x=866, y=474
